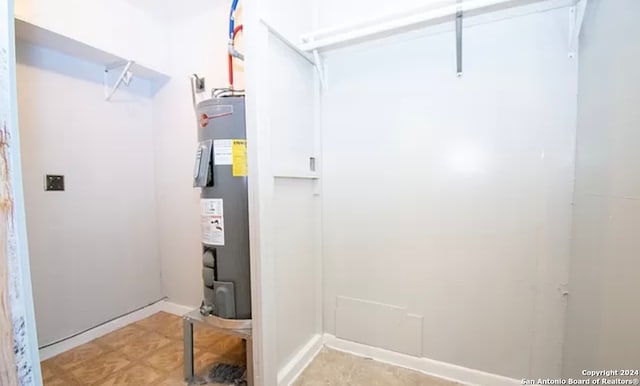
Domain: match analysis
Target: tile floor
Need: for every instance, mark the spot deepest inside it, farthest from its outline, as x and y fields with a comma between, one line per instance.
x=334, y=368
x=148, y=352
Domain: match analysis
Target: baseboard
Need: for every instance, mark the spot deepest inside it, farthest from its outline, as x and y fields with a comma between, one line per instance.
x=103, y=329
x=176, y=309
x=428, y=366
x=300, y=361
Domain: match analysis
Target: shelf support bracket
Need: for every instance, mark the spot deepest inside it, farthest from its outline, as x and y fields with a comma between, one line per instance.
x=459, y=40
x=124, y=77
x=576, y=17
x=320, y=69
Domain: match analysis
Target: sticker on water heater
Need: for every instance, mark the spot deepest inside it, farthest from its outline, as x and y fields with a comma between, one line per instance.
x=212, y=221
x=239, y=168
x=222, y=152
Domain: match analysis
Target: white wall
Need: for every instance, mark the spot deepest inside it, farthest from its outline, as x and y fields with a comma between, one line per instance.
x=198, y=42
x=295, y=207
x=332, y=13
x=447, y=201
x=602, y=317
x=93, y=247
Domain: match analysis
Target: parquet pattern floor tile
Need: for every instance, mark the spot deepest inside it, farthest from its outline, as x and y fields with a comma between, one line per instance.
x=148, y=352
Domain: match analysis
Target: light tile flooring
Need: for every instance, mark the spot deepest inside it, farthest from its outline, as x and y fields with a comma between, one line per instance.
x=334, y=368
x=148, y=352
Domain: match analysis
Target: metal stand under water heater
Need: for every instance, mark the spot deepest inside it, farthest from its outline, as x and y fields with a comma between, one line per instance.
x=221, y=172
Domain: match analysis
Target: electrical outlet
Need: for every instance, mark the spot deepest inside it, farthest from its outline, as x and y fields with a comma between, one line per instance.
x=53, y=182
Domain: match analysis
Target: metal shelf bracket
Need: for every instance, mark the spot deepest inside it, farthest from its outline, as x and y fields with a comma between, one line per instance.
x=124, y=77
x=576, y=17
x=320, y=69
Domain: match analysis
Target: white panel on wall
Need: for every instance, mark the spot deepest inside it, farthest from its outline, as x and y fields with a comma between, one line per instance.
x=93, y=247
x=292, y=95
x=286, y=231
x=295, y=225
x=451, y=197
x=379, y=325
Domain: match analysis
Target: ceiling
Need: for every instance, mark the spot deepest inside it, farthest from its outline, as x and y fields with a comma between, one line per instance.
x=172, y=9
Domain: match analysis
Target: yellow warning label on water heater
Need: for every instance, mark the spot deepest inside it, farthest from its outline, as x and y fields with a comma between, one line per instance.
x=239, y=154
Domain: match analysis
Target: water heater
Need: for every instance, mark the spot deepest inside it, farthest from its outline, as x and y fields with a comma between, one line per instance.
x=221, y=173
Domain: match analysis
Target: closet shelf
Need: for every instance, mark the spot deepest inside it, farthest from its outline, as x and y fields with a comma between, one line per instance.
x=339, y=36
x=444, y=11
x=32, y=33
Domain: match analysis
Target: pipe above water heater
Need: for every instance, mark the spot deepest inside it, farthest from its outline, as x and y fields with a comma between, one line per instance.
x=233, y=53
x=233, y=32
